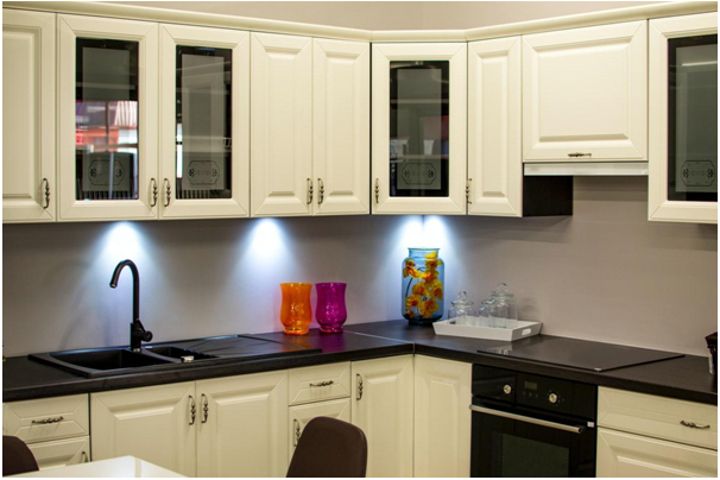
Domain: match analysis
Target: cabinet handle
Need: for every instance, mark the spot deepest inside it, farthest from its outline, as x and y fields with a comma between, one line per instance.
x=205, y=408
x=324, y=383
x=192, y=410
x=309, y=198
x=84, y=457
x=321, y=191
x=45, y=187
x=579, y=154
x=467, y=191
x=47, y=421
x=296, y=438
x=359, y=386
x=153, y=192
x=168, y=192
x=694, y=425
x=377, y=190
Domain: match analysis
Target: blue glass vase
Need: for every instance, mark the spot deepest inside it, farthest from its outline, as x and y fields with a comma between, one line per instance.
x=423, y=286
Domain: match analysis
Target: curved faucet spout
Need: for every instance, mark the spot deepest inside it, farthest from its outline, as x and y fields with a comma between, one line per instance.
x=137, y=330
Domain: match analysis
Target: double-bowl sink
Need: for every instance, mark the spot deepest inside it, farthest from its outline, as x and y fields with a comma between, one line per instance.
x=109, y=361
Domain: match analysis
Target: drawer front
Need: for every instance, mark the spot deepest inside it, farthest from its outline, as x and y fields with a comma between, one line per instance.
x=300, y=415
x=626, y=455
x=47, y=418
x=661, y=417
x=58, y=453
x=324, y=382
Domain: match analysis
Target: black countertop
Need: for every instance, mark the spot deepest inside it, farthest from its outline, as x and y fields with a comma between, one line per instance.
x=685, y=378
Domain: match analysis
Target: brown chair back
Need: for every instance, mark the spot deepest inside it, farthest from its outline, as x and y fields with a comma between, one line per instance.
x=17, y=457
x=329, y=447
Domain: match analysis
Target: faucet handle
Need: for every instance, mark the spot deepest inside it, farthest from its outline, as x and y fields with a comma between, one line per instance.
x=147, y=336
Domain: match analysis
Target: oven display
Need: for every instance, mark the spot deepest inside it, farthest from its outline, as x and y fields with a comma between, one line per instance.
x=532, y=386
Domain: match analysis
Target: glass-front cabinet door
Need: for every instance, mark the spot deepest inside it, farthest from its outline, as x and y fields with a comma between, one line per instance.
x=419, y=128
x=107, y=71
x=683, y=119
x=204, y=116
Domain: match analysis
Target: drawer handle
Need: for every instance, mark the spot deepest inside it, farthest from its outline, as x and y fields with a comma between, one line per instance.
x=193, y=410
x=579, y=154
x=694, y=425
x=205, y=408
x=84, y=458
x=46, y=421
x=296, y=437
x=325, y=383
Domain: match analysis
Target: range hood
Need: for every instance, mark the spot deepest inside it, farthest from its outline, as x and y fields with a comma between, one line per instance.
x=585, y=169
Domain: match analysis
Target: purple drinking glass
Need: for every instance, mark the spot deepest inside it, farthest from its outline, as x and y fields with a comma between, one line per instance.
x=330, y=311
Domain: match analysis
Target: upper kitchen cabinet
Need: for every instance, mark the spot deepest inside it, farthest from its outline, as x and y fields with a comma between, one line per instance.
x=204, y=122
x=107, y=88
x=28, y=116
x=495, y=176
x=683, y=119
x=310, y=126
x=584, y=94
x=419, y=128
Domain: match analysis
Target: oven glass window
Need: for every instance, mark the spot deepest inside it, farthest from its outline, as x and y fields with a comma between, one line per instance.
x=523, y=457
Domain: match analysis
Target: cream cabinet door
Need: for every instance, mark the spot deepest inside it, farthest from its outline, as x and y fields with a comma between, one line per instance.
x=119, y=136
x=383, y=408
x=423, y=167
x=660, y=208
x=242, y=429
x=442, y=417
x=495, y=173
x=626, y=455
x=341, y=127
x=585, y=94
x=155, y=424
x=28, y=156
x=300, y=415
x=59, y=453
x=281, y=118
x=194, y=158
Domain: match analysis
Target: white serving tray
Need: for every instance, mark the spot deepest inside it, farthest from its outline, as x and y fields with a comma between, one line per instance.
x=481, y=327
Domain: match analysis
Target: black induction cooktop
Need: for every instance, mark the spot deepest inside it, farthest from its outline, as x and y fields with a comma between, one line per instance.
x=586, y=355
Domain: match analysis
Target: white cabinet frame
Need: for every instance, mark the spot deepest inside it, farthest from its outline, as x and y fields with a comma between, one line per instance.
x=382, y=55
x=239, y=42
x=495, y=175
x=71, y=27
x=659, y=207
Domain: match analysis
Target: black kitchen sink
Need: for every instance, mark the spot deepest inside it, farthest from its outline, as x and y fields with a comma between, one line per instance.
x=182, y=354
x=108, y=359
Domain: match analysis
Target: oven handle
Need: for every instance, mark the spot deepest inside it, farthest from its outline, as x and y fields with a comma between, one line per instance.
x=523, y=418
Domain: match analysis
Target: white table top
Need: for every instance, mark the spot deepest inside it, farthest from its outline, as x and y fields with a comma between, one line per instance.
x=113, y=467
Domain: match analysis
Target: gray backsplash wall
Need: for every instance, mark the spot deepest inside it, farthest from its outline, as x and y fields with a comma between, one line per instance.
x=605, y=273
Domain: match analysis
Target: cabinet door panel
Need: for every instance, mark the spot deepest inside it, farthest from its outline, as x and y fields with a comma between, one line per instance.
x=151, y=423
x=382, y=408
x=495, y=171
x=341, y=126
x=29, y=190
x=584, y=94
x=59, y=453
x=660, y=206
x=107, y=88
x=46, y=419
x=245, y=433
x=281, y=134
x=442, y=417
x=625, y=455
x=300, y=415
x=204, y=148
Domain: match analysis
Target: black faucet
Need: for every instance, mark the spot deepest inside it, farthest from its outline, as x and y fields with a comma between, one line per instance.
x=138, y=334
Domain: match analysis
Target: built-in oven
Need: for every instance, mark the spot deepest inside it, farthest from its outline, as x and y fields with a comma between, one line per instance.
x=531, y=426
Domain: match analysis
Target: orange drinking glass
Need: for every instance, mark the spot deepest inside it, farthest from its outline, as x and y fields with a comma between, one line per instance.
x=295, y=311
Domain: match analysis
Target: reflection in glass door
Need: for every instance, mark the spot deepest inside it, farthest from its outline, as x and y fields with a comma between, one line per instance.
x=203, y=144
x=106, y=119
x=419, y=126
x=692, y=118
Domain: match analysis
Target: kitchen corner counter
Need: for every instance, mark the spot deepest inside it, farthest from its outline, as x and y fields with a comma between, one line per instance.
x=685, y=378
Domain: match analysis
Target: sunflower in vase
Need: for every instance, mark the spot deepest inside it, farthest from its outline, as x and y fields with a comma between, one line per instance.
x=423, y=286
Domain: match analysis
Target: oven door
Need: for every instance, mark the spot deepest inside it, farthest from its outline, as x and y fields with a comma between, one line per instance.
x=515, y=444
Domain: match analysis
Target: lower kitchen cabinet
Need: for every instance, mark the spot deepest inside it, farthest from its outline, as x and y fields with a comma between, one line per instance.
x=442, y=417
x=300, y=415
x=152, y=423
x=383, y=408
x=242, y=429
x=59, y=453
